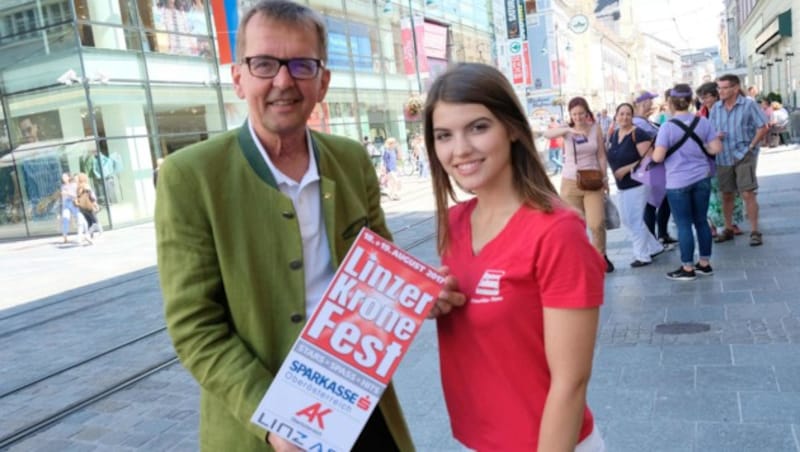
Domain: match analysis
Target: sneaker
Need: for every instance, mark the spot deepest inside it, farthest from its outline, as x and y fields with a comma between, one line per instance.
x=755, y=239
x=637, y=263
x=659, y=253
x=682, y=275
x=609, y=265
x=703, y=270
x=668, y=242
x=724, y=236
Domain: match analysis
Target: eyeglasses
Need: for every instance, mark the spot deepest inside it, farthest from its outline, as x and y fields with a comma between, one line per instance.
x=263, y=66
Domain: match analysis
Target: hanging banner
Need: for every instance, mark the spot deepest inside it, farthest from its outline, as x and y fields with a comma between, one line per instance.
x=334, y=376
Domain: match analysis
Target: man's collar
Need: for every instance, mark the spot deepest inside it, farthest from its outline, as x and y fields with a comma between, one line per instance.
x=312, y=172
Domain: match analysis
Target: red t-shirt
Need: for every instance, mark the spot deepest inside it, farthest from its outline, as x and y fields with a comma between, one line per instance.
x=491, y=351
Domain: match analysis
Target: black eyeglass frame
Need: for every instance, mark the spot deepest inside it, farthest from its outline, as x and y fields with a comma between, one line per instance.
x=284, y=62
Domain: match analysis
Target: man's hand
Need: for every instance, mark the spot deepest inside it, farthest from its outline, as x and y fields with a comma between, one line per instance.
x=449, y=297
x=282, y=445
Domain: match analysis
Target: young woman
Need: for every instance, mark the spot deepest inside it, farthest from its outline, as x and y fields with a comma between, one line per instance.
x=584, y=149
x=85, y=191
x=70, y=211
x=533, y=282
x=627, y=146
x=689, y=172
x=656, y=211
x=390, y=157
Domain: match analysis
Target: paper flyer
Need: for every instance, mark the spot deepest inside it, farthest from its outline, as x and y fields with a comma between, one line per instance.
x=345, y=356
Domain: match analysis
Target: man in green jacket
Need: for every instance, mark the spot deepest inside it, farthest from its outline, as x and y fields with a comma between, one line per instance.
x=251, y=226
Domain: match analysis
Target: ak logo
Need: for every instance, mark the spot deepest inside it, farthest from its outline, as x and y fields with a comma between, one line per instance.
x=489, y=285
x=315, y=413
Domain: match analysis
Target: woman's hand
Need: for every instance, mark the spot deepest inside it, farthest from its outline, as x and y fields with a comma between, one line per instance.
x=449, y=297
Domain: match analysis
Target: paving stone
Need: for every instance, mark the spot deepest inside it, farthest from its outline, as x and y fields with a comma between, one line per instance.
x=753, y=285
x=757, y=311
x=725, y=298
x=788, y=377
x=622, y=404
x=771, y=407
x=683, y=355
x=695, y=314
x=657, y=377
x=765, y=354
x=615, y=356
x=736, y=378
x=724, y=437
x=663, y=435
x=697, y=406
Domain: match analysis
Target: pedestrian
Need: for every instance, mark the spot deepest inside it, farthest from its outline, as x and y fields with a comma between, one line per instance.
x=686, y=144
x=70, y=211
x=251, y=225
x=535, y=283
x=605, y=123
x=709, y=95
x=778, y=122
x=628, y=145
x=656, y=211
x=584, y=149
x=390, y=162
x=86, y=201
x=555, y=147
x=742, y=126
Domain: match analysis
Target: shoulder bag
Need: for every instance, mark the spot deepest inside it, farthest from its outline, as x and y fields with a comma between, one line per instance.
x=587, y=179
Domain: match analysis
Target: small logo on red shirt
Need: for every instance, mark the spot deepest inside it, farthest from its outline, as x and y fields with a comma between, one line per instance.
x=489, y=287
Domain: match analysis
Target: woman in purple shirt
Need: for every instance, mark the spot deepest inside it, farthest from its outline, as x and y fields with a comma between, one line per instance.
x=689, y=170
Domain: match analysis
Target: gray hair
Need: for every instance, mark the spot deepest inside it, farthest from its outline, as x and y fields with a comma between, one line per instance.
x=285, y=12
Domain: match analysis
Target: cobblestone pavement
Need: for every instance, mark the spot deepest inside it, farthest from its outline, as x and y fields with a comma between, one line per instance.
x=734, y=387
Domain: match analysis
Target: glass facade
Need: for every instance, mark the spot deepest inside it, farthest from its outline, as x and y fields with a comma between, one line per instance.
x=107, y=87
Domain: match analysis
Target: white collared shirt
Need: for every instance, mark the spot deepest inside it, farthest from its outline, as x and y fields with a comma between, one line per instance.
x=305, y=196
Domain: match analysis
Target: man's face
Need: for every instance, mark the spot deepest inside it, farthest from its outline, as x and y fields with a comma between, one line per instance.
x=30, y=131
x=281, y=105
x=727, y=90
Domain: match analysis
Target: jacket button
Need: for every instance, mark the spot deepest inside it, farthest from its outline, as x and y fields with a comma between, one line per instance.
x=296, y=318
x=296, y=265
x=288, y=214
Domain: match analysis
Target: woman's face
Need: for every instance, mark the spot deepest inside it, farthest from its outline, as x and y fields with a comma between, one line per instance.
x=578, y=115
x=624, y=116
x=472, y=145
x=708, y=100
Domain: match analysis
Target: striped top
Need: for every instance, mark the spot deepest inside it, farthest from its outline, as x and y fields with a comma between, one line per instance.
x=739, y=126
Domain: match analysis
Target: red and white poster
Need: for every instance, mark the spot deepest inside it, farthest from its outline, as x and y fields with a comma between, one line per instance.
x=345, y=356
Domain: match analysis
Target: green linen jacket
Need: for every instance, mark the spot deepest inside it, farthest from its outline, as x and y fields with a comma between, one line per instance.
x=230, y=264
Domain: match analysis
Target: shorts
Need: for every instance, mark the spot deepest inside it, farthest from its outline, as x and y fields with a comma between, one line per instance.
x=739, y=177
x=592, y=443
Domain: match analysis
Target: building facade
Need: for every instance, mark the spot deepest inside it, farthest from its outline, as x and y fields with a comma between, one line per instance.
x=107, y=87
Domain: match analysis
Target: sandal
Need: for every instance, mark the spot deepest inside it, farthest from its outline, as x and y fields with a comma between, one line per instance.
x=755, y=239
x=736, y=230
x=724, y=236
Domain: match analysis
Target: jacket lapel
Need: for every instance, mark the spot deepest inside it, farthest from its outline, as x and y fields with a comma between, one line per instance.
x=254, y=157
x=327, y=195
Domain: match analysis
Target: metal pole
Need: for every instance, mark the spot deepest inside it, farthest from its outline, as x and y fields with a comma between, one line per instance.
x=558, y=72
x=414, y=41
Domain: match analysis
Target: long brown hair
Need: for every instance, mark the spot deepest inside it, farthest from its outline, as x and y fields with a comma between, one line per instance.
x=474, y=83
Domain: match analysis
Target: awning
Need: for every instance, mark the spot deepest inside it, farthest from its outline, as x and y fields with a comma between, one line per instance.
x=772, y=33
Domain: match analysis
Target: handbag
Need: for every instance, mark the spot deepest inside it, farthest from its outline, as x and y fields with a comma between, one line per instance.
x=84, y=202
x=611, y=213
x=587, y=179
